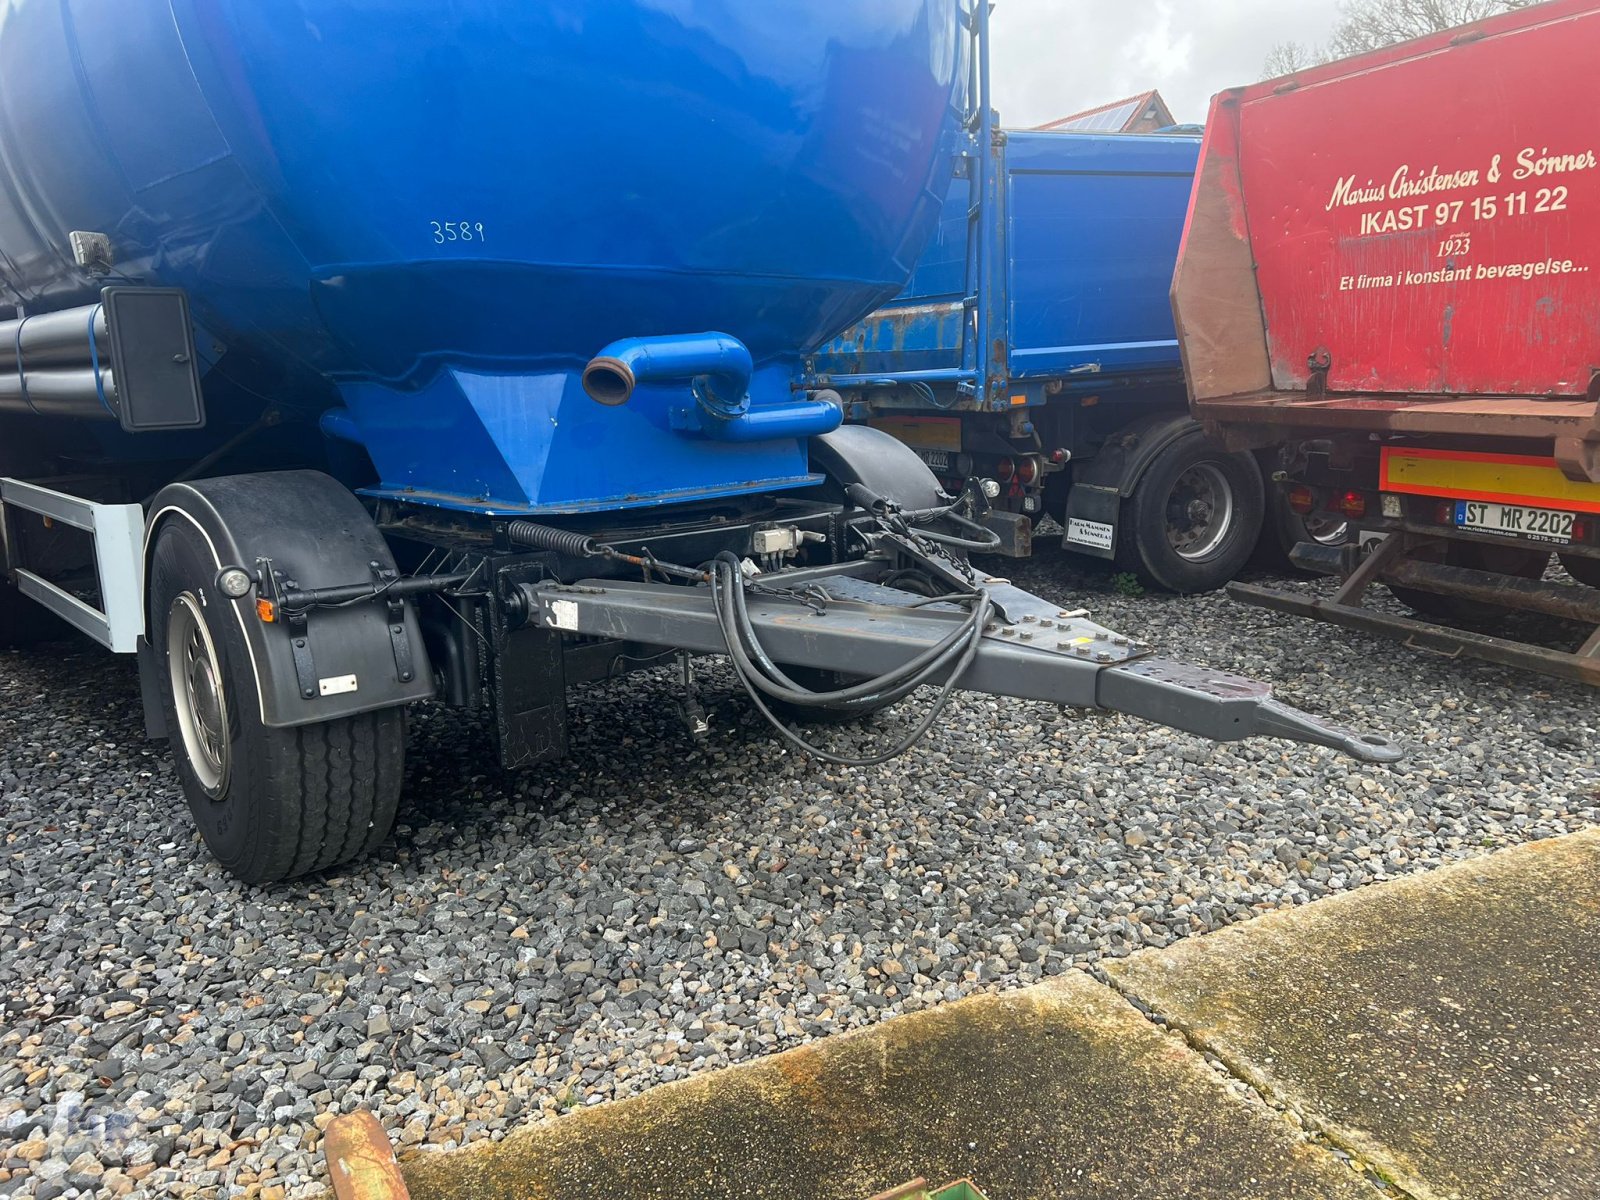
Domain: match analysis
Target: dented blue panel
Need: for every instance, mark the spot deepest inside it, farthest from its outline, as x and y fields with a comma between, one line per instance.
x=1089, y=226
x=434, y=214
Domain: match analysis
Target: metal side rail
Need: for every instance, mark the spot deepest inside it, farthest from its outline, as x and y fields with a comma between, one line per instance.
x=1391, y=563
x=1035, y=652
x=118, y=533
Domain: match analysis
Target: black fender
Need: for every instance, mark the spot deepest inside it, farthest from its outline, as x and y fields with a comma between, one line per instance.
x=1100, y=484
x=317, y=533
x=878, y=461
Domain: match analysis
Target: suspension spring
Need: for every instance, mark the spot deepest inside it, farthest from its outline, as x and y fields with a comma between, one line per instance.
x=545, y=537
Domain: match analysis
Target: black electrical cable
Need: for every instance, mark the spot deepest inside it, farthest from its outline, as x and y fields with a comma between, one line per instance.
x=758, y=673
x=871, y=693
x=955, y=653
x=987, y=538
x=911, y=739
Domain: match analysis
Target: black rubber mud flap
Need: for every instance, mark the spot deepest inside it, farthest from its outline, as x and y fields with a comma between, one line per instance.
x=878, y=461
x=317, y=533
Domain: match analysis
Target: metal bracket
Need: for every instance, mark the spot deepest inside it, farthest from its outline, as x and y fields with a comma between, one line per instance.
x=296, y=624
x=118, y=533
x=395, y=609
x=399, y=642
x=1318, y=363
x=305, y=670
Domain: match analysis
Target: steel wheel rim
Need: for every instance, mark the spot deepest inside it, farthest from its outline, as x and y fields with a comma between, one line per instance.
x=196, y=678
x=1327, y=530
x=1200, y=511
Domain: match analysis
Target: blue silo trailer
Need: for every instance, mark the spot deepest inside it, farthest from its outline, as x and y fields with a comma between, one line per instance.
x=363, y=355
x=1034, y=346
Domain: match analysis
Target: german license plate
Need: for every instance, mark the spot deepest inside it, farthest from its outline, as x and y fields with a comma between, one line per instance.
x=939, y=460
x=1539, y=524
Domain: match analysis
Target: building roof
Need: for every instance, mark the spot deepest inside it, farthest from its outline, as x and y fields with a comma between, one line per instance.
x=1118, y=116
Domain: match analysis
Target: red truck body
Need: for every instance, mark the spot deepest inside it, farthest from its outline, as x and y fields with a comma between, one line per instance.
x=1397, y=257
x=1406, y=229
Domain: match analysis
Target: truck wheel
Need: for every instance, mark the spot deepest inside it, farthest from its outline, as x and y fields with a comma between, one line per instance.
x=1584, y=570
x=1286, y=529
x=1194, y=517
x=270, y=803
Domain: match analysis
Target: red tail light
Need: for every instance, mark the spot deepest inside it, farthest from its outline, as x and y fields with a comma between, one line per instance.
x=1444, y=513
x=1005, y=469
x=1580, y=530
x=1027, y=472
x=1353, y=505
x=1301, y=499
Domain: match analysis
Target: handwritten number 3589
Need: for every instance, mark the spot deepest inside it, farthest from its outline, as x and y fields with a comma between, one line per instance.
x=457, y=231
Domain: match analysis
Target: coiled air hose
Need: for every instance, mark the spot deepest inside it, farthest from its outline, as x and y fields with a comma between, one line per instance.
x=760, y=676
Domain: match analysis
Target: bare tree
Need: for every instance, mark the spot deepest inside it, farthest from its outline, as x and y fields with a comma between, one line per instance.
x=1285, y=58
x=1370, y=24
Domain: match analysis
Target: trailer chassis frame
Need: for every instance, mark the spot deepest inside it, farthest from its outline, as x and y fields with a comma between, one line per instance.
x=1393, y=562
x=1039, y=652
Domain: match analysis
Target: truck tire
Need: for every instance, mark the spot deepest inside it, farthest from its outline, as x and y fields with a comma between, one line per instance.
x=1285, y=529
x=1583, y=569
x=270, y=803
x=1194, y=517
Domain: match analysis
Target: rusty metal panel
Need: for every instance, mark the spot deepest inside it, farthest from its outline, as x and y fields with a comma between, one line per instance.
x=361, y=1162
x=1214, y=301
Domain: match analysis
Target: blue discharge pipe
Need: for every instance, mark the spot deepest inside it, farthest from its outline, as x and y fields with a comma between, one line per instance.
x=718, y=363
x=718, y=368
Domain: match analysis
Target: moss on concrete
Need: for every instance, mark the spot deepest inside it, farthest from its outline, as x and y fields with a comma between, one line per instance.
x=1062, y=1090
x=1446, y=1027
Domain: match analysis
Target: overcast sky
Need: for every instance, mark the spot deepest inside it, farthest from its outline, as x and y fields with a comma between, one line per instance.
x=1054, y=57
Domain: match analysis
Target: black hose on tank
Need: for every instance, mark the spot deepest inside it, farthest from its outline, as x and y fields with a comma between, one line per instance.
x=545, y=537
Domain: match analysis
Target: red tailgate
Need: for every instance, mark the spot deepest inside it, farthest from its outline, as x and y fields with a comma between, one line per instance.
x=1427, y=218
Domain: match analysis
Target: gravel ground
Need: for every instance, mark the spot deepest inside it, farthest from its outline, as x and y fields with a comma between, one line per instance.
x=525, y=944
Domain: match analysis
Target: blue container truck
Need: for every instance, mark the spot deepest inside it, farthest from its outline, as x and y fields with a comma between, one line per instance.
x=1034, y=346
x=363, y=355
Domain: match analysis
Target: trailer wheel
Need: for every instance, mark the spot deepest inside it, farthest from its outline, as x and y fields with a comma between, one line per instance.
x=1584, y=570
x=1194, y=517
x=270, y=803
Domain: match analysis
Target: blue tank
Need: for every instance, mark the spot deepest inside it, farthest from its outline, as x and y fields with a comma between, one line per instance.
x=429, y=218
